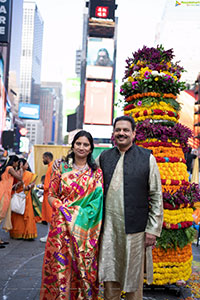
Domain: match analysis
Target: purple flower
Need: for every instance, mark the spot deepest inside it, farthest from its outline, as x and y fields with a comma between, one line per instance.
x=147, y=74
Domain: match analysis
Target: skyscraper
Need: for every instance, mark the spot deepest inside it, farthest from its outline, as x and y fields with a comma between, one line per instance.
x=31, y=53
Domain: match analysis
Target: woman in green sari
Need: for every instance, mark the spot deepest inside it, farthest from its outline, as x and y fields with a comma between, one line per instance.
x=76, y=196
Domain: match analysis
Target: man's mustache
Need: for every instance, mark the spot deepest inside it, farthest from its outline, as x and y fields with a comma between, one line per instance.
x=121, y=136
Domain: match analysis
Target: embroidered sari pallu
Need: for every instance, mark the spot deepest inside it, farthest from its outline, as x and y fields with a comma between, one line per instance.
x=70, y=261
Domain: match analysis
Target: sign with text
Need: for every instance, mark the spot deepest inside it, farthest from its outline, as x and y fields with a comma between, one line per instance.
x=102, y=9
x=5, y=20
x=29, y=111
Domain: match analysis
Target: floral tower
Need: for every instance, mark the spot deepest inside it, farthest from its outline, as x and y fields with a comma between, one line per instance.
x=150, y=87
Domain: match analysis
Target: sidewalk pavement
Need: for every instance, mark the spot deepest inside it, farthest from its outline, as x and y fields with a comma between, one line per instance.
x=21, y=265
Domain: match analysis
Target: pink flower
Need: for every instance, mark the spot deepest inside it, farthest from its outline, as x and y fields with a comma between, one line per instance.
x=139, y=103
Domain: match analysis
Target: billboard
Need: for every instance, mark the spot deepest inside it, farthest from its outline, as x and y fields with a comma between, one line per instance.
x=5, y=14
x=100, y=58
x=102, y=9
x=98, y=107
x=29, y=111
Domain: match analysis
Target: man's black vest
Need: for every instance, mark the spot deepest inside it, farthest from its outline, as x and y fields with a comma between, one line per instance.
x=136, y=183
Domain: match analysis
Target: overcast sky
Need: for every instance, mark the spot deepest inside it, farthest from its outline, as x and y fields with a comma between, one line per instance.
x=138, y=24
x=63, y=22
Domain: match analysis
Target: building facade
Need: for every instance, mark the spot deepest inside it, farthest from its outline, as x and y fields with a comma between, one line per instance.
x=51, y=111
x=35, y=132
x=31, y=53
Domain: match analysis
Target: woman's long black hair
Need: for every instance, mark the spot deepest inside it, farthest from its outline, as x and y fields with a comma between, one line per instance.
x=23, y=160
x=90, y=160
x=9, y=162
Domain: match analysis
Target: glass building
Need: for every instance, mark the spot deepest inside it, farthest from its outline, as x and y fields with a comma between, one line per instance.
x=31, y=53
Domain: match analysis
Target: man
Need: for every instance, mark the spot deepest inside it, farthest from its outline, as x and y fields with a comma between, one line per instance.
x=133, y=214
x=190, y=156
x=103, y=58
x=46, y=208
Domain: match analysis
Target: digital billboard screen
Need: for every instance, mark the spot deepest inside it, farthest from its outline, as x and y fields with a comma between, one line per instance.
x=100, y=58
x=98, y=104
x=29, y=111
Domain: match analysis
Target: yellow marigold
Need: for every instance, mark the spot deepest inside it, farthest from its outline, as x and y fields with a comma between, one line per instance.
x=130, y=79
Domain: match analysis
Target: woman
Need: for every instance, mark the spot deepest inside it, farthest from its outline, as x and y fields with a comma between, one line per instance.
x=7, y=174
x=76, y=195
x=24, y=226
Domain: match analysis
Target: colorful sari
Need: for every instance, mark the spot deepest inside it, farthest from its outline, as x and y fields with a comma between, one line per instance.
x=6, y=184
x=70, y=260
x=24, y=226
x=37, y=206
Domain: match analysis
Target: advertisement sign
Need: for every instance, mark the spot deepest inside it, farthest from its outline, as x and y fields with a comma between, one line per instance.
x=72, y=95
x=102, y=9
x=100, y=55
x=24, y=144
x=5, y=13
x=29, y=111
x=98, y=106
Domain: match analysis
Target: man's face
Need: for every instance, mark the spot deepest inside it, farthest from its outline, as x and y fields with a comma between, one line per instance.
x=102, y=58
x=123, y=134
x=45, y=160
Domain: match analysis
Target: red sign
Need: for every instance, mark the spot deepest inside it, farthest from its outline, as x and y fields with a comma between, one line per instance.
x=101, y=12
x=23, y=131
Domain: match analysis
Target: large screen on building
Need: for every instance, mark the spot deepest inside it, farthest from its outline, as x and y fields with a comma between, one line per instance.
x=100, y=58
x=98, y=104
x=29, y=111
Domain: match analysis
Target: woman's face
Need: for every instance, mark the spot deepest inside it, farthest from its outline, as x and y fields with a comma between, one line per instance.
x=25, y=166
x=15, y=164
x=81, y=147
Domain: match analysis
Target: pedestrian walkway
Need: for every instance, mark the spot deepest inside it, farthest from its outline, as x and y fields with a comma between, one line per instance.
x=21, y=265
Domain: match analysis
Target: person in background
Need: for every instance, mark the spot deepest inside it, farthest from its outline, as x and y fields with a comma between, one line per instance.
x=70, y=265
x=8, y=171
x=189, y=157
x=103, y=58
x=37, y=198
x=133, y=214
x=24, y=226
x=46, y=208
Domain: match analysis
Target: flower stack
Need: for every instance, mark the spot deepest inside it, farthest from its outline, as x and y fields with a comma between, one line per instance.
x=150, y=87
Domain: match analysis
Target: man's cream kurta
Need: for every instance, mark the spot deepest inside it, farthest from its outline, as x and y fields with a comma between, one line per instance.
x=121, y=254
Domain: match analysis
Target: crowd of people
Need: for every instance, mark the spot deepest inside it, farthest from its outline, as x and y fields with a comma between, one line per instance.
x=103, y=216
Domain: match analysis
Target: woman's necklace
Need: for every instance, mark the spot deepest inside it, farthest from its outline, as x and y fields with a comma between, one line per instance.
x=80, y=168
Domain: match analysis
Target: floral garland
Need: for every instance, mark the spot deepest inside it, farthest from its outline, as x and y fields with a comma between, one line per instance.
x=172, y=255
x=150, y=87
x=185, y=195
x=170, y=273
x=150, y=70
x=174, y=171
x=170, y=239
x=179, y=132
x=177, y=216
x=154, y=112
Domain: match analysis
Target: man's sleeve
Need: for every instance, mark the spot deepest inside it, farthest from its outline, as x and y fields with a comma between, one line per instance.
x=155, y=218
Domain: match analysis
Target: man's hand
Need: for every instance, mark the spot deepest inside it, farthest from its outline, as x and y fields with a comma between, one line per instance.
x=150, y=240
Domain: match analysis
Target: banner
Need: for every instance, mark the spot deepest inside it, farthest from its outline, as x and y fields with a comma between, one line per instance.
x=5, y=20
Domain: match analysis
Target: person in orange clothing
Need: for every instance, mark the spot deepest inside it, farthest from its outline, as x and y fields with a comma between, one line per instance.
x=46, y=208
x=7, y=174
x=24, y=226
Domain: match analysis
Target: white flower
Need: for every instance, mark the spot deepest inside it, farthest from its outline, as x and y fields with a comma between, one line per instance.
x=155, y=73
